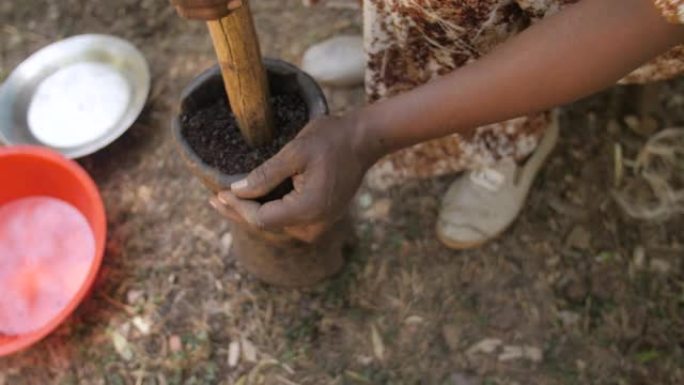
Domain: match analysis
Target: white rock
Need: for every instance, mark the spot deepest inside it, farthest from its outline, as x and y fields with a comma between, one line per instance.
x=339, y=61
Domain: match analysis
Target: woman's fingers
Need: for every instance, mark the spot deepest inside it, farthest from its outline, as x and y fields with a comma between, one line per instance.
x=248, y=212
x=270, y=174
x=226, y=211
x=288, y=211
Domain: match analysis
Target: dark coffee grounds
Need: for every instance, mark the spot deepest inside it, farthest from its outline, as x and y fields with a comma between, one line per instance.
x=214, y=135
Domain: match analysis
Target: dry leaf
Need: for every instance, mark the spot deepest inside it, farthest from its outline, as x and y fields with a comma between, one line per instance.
x=378, y=346
x=511, y=352
x=133, y=296
x=249, y=352
x=487, y=346
x=233, y=353
x=379, y=210
x=452, y=336
x=144, y=326
x=533, y=353
x=121, y=345
x=413, y=320
x=226, y=242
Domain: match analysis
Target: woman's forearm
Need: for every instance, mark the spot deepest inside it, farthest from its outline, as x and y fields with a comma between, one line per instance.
x=575, y=53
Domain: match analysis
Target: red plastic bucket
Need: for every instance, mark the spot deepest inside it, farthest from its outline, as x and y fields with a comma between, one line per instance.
x=35, y=171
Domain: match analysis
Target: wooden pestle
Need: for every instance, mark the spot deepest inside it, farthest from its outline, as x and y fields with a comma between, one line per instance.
x=244, y=76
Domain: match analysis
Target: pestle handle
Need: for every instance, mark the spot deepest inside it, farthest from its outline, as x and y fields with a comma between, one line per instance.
x=244, y=76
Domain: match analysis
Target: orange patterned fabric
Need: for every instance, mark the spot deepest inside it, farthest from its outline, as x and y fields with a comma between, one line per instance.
x=410, y=42
x=673, y=10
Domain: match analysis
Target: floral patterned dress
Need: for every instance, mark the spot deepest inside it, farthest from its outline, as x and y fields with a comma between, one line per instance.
x=409, y=42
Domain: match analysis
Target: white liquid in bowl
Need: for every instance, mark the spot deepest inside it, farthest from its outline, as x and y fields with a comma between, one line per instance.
x=46, y=250
x=78, y=104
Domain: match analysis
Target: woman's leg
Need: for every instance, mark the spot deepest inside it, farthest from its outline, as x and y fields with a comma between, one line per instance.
x=410, y=42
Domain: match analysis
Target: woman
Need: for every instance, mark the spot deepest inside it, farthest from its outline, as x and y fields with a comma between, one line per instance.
x=444, y=75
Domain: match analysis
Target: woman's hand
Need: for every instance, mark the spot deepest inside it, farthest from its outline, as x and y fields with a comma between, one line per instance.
x=205, y=9
x=326, y=162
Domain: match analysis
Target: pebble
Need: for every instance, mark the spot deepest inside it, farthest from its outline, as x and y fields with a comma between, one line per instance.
x=339, y=61
x=487, y=346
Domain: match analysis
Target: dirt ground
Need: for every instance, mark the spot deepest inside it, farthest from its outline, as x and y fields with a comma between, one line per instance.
x=575, y=293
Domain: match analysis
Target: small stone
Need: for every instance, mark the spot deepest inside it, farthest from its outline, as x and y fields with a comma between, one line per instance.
x=339, y=61
x=175, y=344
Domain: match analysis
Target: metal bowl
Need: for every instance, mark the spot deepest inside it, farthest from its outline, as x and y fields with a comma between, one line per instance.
x=17, y=92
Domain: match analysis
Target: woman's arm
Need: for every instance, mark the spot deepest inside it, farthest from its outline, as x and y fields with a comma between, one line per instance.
x=577, y=52
x=581, y=50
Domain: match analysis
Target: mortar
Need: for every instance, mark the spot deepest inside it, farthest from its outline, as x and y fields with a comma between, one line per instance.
x=272, y=256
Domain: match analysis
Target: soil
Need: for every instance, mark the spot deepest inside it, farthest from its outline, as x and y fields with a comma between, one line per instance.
x=600, y=294
x=214, y=134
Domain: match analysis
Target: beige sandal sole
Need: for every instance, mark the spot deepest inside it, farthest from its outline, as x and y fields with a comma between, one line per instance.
x=535, y=164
